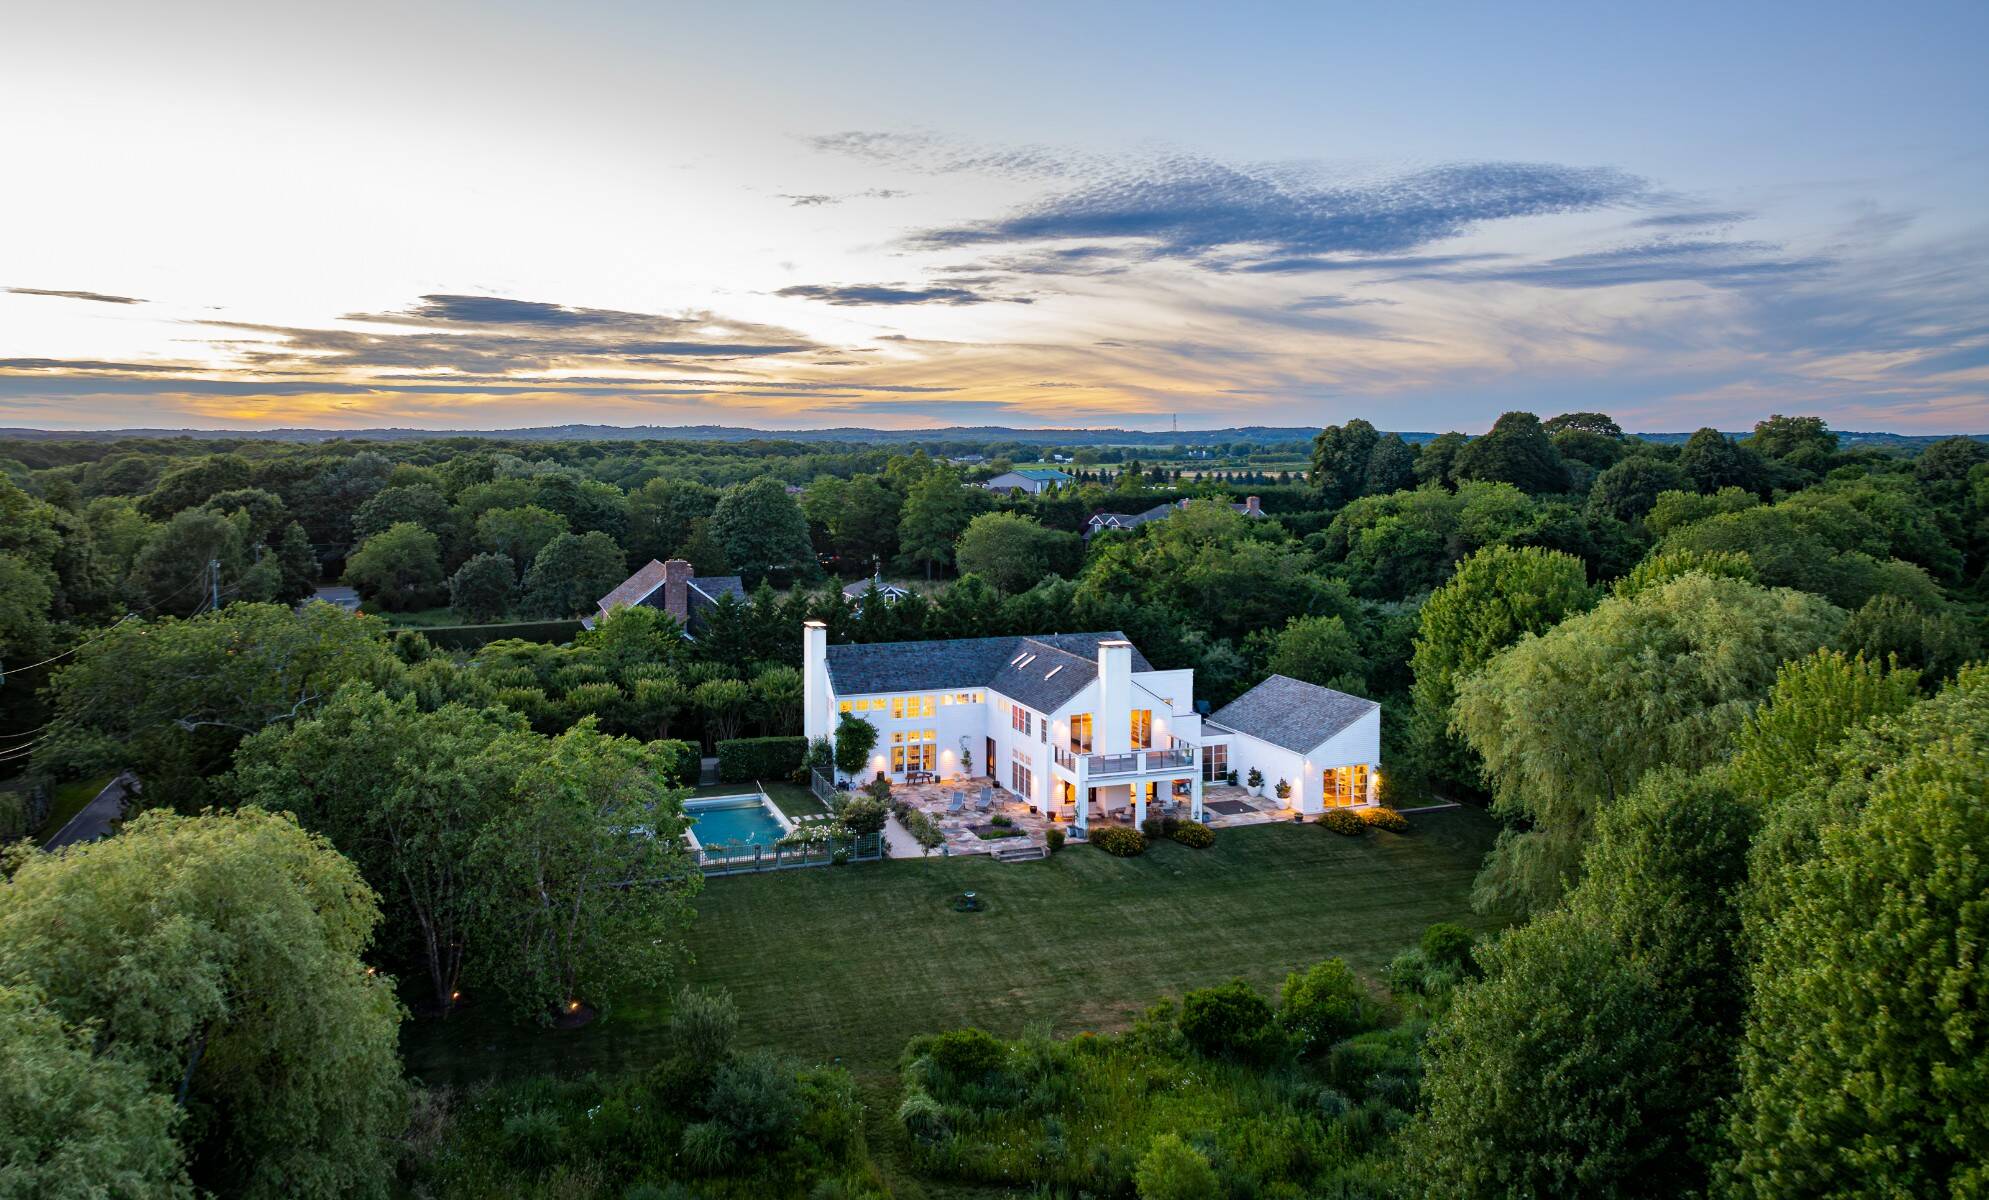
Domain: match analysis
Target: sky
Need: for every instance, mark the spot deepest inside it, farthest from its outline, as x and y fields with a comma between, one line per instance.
x=479, y=216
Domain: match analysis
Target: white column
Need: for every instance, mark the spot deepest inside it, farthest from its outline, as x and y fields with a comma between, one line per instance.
x=1083, y=805
x=1195, y=796
x=1139, y=803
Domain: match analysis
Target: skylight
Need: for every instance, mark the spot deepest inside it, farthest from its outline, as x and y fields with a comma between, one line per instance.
x=1053, y=671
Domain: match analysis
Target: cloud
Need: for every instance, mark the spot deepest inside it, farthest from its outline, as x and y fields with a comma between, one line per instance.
x=931, y=154
x=885, y=293
x=65, y=294
x=1396, y=262
x=22, y=365
x=819, y=199
x=1191, y=208
x=1713, y=263
x=1690, y=220
x=1322, y=303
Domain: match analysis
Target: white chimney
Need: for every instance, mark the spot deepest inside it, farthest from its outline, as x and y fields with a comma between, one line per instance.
x=818, y=716
x=1112, y=724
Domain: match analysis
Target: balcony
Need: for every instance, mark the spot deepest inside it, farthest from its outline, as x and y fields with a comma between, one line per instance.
x=1181, y=758
x=1065, y=758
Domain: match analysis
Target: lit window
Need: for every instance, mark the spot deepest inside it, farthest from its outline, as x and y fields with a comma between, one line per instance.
x=843, y=707
x=1142, y=728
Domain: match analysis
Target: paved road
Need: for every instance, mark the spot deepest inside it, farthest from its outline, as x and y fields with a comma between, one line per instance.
x=93, y=823
x=344, y=597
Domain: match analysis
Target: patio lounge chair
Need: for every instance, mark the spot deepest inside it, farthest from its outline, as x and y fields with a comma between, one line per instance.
x=987, y=798
x=957, y=804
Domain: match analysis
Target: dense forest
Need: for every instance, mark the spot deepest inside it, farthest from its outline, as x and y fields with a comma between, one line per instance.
x=1718, y=694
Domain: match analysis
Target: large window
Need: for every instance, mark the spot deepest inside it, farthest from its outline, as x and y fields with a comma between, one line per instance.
x=1021, y=775
x=911, y=706
x=1080, y=733
x=1344, y=786
x=913, y=750
x=1215, y=763
x=1022, y=719
x=1142, y=728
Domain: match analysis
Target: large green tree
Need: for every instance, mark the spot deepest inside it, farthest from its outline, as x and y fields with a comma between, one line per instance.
x=763, y=532
x=483, y=588
x=1567, y=721
x=1340, y=456
x=220, y=955
x=1496, y=596
x=519, y=533
x=404, y=794
x=399, y=568
x=936, y=512
x=584, y=886
x=1516, y=451
x=571, y=574
x=1011, y=551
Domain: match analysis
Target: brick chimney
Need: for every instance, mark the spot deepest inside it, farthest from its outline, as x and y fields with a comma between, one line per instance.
x=677, y=589
x=1252, y=507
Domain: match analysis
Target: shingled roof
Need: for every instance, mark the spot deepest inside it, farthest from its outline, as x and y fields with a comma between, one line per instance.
x=1291, y=713
x=1063, y=664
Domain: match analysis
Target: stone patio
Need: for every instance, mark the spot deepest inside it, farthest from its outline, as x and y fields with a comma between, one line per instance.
x=936, y=799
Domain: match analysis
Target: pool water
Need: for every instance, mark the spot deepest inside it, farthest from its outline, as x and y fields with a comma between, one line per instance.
x=734, y=821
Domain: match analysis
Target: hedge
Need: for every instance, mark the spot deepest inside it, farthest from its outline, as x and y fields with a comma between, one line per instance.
x=1119, y=841
x=471, y=637
x=1343, y=821
x=1386, y=818
x=742, y=760
x=677, y=763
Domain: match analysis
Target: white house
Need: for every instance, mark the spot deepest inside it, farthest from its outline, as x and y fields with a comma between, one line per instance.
x=890, y=592
x=1068, y=722
x=1033, y=480
x=1326, y=744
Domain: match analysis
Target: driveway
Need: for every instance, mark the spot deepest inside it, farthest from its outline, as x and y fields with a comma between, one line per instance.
x=93, y=823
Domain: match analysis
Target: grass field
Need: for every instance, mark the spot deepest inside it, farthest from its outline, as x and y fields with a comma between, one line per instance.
x=849, y=962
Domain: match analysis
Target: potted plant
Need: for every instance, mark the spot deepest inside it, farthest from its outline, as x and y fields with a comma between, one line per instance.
x=1230, y=779
x=966, y=761
x=1283, y=789
x=1256, y=782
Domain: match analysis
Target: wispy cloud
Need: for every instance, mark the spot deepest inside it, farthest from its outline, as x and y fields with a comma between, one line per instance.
x=886, y=294
x=1692, y=220
x=932, y=154
x=70, y=294
x=1664, y=261
x=824, y=199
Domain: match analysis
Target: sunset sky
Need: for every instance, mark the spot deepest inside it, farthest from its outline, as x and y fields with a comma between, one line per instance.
x=227, y=215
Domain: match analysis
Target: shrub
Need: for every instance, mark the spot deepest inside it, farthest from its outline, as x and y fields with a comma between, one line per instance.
x=1340, y=820
x=1228, y=1020
x=1193, y=834
x=532, y=1138
x=1449, y=946
x=1405, y=972
x=1173, y=1170
x=879, y=789
x=1385, y=818
x=755, y=1099
x=864, y=815
x=707, y=1147
x=742, y=760
x=1119, y=841
x=821, y=756
x=1001, y=820
x=922, y=1116
x=1324, y=1004
x=1332, y=1103
x=1153, y=829
x=1054, y=838
x=676, y=763
x=968, y=1055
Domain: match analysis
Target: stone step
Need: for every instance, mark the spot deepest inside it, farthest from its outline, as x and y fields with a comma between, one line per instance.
x=1020, y=854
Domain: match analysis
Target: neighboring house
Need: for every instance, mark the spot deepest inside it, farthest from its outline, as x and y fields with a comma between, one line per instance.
x=891, y=592
x=1065, y=721
x=1107, y=520
x=968, y=460
x=1326, y=744
x=1033, y=480
x=672, y=587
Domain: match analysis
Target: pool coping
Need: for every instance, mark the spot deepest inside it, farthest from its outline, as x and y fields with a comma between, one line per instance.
x=703, y=802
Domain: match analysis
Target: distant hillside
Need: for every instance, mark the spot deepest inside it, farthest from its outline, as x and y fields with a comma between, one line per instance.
x=955, y=434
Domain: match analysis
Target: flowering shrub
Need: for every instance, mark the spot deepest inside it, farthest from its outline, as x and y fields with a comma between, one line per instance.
x=1119, y=841
x=1386, y=818
x=1193, y=834
x=1340, y=820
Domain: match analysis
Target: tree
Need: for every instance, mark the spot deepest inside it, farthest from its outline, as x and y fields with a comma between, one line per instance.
x=1534, y=1078
x=1628, y=489
x=1816, y=702
x=418, y=504
x=219, y=955
x=572, y=573
x=1171, y=1169
x=584, y=886
x=170, y=575
x=1495, y=597
x=1011, y=551
x=1436, y=461
x=298, y=560
x=1890, y=627
x=1390, y=468
x=519, y=533
x=1324, y=1003
x=192, y=484
x=763, y=531
x=399, y=569
x=1340, y=455
x=25, y=594
x=1792, y=437
x=1319, y=650
x=178, y=696
x=778, y=695
x=404, y=794
x=1516, y=451
x=264, y=511
x=1567, y=721
x=723, y=702
x=937, y=511
x=1713, y=461
x=76, y=1123
x=1865, y=1069
x=855, y=738
x=482, y=588
x=660, y=515
x=1600, y=424
x=631, y=638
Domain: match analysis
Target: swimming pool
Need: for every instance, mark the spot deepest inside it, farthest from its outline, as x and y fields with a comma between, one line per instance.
x=734, y=821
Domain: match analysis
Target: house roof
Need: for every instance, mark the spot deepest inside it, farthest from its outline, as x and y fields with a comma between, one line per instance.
x=856, y=590
x=1062, y=665
x=1042, y=474
x=643, y=584
x=711, y=587
x=1133, y=520
x=1291, y=713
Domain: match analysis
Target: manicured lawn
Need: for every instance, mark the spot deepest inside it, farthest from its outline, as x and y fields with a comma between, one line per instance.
x=849, y=962
x=67, y=800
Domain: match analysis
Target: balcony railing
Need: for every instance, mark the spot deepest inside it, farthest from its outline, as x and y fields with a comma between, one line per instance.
x=1180, y=758
x=1065, y=758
